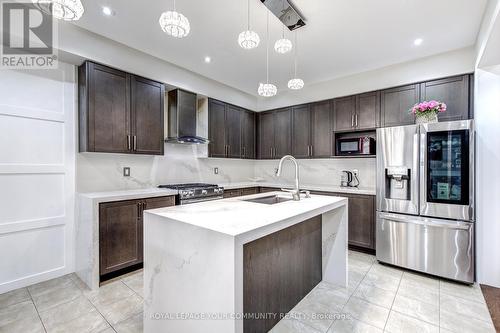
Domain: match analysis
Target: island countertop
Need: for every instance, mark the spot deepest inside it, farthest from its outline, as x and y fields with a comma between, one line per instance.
x=235, y=216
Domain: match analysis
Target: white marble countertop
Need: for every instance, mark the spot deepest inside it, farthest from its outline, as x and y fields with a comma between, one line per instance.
x=310, y=187
x=128, y=194
x=234, y=216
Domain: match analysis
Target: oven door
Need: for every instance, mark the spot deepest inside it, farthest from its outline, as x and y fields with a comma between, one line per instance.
x=447, y=170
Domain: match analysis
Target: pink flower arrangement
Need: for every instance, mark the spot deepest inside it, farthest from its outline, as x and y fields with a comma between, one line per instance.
x=430, y=107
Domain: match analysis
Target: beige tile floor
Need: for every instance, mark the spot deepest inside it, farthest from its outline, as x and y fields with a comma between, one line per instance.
x=378, y=299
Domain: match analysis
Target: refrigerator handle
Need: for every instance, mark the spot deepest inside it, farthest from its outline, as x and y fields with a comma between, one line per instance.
x=457, y=225
x=416, y=170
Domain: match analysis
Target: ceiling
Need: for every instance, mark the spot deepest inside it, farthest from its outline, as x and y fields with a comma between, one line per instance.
x=341, y=37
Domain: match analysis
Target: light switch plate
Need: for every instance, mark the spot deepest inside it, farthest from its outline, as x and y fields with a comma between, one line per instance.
x=126, y=172
x=216, y=171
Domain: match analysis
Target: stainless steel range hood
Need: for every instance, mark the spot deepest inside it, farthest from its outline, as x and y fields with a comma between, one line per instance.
x=286, y=13
x=182, y=118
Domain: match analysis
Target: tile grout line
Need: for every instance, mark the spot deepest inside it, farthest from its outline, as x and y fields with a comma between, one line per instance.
x=396, y=295
x=36, y=309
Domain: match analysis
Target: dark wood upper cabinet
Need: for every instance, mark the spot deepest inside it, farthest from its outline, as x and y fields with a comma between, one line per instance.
x=148, y=98
x=216, y=128
x=321, y=129
x=119, y=112
x=248, y=128
x=282, y=132
x=367, y=111
x=454, y=92
x=344, y=110
x=233, y=131
x=396, y=103
x=121, y=232
x=266, y=135
x=301, y=129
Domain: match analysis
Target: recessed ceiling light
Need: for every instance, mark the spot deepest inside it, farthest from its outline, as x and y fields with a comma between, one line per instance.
x=107, y=11
x=418, y=42
x=208, y=59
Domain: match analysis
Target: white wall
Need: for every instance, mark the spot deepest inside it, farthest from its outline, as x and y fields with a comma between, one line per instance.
x=37, y=180
x=438, y=66
x=487, y=116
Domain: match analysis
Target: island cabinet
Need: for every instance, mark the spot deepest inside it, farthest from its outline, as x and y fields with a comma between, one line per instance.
x=231, y=131
x=119, y=112
x=275, y=134
x=121, y=233
x=359, y=112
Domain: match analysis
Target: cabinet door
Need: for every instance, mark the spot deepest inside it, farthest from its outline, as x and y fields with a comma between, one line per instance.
x=396, y=103
x=108, y=110
x=232, y=193
x=233, y=131
x=216, y=129
x=266, y=135
x=282, y=133
x=367, y=110
x=147, y=116
x=344, y=109
x=321, y=129
x=301, y=138
x=453, y=91
x=248, y=134
x=120, y=235
x=361, y=221
x=159, y=202
x=249, y=191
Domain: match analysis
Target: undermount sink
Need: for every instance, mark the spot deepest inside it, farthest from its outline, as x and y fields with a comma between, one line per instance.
x=269, y=200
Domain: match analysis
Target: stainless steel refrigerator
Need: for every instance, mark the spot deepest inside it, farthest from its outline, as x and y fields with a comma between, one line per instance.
x=425, y=198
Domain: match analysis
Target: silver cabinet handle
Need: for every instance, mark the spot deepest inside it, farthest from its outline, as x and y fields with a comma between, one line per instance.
x=311, y=151
x=135, y=142
x=128, y=142
x=271, y=151
x=356, y=120
x=352, y=120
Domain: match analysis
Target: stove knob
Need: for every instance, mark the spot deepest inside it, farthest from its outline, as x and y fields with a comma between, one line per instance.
x=204, y=192
x=191, y=193
x=184, y=193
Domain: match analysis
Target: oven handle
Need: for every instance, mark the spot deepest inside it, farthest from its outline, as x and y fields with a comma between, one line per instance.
x=189, y=201
x=426, y=221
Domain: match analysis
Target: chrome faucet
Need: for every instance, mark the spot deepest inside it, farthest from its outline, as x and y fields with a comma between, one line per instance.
x=295, y=192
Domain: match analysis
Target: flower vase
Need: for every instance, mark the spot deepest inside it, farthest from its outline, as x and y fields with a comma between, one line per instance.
x=427, y=118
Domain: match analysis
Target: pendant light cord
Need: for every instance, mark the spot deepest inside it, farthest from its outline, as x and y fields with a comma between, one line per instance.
x=248, y=14
x=296, y=47
x=267, y=49
x=174, y=6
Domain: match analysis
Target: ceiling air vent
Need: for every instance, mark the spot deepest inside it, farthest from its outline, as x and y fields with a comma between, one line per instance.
x=286, y=13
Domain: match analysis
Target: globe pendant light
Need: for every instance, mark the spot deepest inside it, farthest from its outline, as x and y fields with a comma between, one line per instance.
x=267, y=89
x=248, y=39
x=295, y=83
x=283, y=45
x=67, y=10
x=174, y=24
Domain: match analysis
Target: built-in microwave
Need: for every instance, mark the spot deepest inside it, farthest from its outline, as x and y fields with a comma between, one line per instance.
x=364, y=145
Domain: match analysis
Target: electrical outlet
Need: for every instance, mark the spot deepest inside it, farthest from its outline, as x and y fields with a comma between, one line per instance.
x=355, y=172
x=216, y=171
x=126, y=172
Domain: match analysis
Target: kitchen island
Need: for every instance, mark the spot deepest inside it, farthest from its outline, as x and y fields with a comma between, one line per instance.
x=207, y=264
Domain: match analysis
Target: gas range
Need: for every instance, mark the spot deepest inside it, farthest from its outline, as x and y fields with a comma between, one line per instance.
x=195, y=192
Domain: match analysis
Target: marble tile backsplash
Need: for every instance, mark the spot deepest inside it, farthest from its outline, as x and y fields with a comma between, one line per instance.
x=104, y=172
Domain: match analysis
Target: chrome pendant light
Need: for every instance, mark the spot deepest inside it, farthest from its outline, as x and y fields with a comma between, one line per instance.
x=248, y=39
x=267, y=89
x=174, y=24
x=283, y=45
x=295, y=83
x=67, y=10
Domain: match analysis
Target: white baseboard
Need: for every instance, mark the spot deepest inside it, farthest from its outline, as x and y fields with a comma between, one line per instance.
x=32, y=279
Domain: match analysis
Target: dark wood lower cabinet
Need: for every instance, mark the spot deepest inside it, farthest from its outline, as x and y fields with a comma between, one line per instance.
x=361, y=224
x=279, y=270
x=238, y=192
x=121, y=232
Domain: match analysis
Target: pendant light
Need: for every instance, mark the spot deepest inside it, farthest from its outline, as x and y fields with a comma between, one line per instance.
x=267, y=89
x=174, y=24
x=248, y=39
x=283, y=45
x=295, y=83
x=67, y=10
